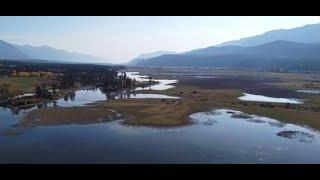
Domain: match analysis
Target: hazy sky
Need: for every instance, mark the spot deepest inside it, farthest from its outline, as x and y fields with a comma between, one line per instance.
x=122, y=38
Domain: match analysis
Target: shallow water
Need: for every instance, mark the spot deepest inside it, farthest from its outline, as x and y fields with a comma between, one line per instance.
x=84, y=97
x=164, y=84
x=215, y=137
x=205, y=77
x=311, y=91
x=260, y=98
x=81, y=97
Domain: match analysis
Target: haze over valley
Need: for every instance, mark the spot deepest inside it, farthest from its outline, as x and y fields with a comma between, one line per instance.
x=159, y=90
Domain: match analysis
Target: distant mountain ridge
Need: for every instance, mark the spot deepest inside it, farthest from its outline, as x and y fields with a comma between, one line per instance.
x=9, y=51
x=214, y=50
x=148, y=55
x=280, y=50
x=306, y=34
x=12, y=52
x=276, y=55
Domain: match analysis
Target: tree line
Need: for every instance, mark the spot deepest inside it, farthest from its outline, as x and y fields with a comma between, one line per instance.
x=53, y=76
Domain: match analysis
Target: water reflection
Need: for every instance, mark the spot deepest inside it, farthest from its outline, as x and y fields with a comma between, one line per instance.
x=73, y=99
x=217, y=136
x=70, y=96
x=84, y=97
x=296, y=132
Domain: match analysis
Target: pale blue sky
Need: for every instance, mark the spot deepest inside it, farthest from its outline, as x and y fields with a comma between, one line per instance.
x=122, y=38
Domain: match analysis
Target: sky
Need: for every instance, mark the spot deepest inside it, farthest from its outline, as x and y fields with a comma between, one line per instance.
x=119, y=39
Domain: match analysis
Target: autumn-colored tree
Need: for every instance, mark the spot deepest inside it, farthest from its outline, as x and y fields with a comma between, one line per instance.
x=8, y=90
x=23, y=74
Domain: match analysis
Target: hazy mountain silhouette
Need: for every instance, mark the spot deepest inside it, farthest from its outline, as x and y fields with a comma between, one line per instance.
x=305, y=34
x=283, y=49
x=9, y=51
x=12, y=51
x=276, y=55
x=215, y=51
x=149, y=55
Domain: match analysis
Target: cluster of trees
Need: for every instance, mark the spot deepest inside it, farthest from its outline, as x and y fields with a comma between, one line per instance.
x=63, y=76
x=42, y=92
x=8, y=91
x=48, y=75
x=109, y=79
x=4, y=69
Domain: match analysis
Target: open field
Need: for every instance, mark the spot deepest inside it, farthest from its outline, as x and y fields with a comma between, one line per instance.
x=24, y=84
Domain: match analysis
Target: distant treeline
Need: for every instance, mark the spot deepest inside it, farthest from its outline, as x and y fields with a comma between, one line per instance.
x=8, y=66
x=62, y=76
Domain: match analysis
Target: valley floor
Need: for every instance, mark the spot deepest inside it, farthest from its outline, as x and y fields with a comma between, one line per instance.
x=202, y=94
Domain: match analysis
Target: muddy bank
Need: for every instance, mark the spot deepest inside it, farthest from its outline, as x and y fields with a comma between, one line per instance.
x=67, y=116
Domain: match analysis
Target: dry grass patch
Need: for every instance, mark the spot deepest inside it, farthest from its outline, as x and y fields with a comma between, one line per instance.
x=67, y=116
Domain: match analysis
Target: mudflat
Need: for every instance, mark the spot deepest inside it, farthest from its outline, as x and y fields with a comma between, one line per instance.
x=67, y=116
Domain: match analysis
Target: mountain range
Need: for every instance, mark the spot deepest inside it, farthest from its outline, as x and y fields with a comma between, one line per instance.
x=10, y=51
x=149, y=55
x=305, y=34
x=279, y=50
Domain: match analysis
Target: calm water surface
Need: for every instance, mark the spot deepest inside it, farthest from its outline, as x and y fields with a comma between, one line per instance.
x=218, y=136
x=83, y=97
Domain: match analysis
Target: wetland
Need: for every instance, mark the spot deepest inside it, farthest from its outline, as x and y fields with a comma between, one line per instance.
x=182, y=119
